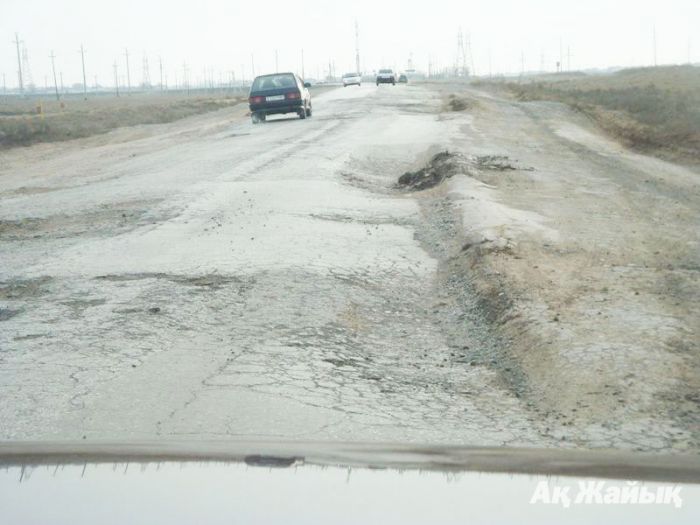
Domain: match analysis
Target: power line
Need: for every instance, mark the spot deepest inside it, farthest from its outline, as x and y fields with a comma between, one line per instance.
x=26, y=70
x=185, y=79
x=82, y=58
x=128, y=72
x=690, y=51
x=19, y=66
x=461, y=60
x=53, y=67
x=470, y=55
x=146, y=74
x=116, y=77
x=560, y=64
x=357, y=48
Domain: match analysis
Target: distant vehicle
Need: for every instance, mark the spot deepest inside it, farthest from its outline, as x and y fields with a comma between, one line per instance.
x=352, y=79
x=386, y=76
x=279, y=93
x=403, y=79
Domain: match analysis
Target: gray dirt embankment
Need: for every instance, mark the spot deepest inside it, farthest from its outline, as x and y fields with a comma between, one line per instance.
x=582, y=257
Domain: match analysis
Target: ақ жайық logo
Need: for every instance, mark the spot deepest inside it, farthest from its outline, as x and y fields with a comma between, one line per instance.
x=591, y=492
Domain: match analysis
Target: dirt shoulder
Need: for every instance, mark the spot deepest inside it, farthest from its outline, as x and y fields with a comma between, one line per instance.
x=653, y=110
x=27, y=121
x=586, y=257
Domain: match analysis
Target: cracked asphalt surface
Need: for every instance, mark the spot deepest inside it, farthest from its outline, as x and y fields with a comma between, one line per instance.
x=213, y=279
x=237, y=280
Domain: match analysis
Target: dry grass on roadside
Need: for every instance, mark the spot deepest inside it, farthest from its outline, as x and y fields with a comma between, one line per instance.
x=651, y=109
x=21, y=124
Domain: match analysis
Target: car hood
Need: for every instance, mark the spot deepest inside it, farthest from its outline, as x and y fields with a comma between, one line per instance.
x=251, y=482
x=604, y=464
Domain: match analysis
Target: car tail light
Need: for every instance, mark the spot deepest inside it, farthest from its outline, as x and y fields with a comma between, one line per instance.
x=293, y=95
x=256, y=100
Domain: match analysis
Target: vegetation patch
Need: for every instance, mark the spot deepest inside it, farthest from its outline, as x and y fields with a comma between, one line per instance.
x=653, y=109
x=25, y=122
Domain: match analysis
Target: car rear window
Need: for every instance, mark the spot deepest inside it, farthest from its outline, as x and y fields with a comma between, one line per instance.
x=284, y=80
x=385, y=71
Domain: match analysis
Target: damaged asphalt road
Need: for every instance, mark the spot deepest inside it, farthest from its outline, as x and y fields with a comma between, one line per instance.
x=263, y=282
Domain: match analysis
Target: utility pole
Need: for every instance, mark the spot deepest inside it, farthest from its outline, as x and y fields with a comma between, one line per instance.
x=690, y=54
x=53, y=67
x=568, y=58
x=146, y=73
x=19, y=66
x=160, y=67
x=60, y=75
x=470, y=55
x=357, y=49
x=128, y=72
x=82, y=57
x=560, y=64
x=252, y=65
x=461, y=60
x=116, y=77
x=4, y=87
x=185, y=80
x=302, y=63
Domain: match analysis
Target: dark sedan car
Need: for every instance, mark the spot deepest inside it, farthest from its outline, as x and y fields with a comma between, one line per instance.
x=279, y=93
x=386, y=76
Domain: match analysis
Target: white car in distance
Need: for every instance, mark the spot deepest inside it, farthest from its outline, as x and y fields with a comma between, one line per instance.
x=352, y=79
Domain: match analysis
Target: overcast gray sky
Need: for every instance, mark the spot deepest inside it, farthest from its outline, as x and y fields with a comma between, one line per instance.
x=222, y=34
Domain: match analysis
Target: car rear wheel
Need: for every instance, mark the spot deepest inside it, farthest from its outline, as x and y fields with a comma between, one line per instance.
x=302, y=113
x=308, y=111
x=257, y=118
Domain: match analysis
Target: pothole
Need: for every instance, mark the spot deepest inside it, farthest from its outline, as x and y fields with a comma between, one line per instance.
x=447, y=164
